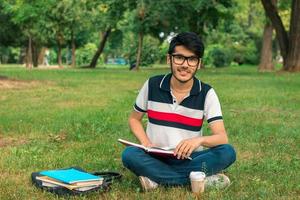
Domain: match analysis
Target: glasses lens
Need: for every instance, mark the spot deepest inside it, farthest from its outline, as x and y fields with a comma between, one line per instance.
x=178, y=59
x=193, y=61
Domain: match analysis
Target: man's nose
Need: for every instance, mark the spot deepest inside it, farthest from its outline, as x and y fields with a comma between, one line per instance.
x=185, y=63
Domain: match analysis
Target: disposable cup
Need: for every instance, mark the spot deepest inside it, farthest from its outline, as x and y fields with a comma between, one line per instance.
x=197, y=182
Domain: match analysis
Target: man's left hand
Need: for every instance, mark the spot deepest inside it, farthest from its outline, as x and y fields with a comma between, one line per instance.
x=185, y=148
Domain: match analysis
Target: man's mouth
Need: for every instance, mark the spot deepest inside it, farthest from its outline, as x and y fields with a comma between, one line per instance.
x=183, y=71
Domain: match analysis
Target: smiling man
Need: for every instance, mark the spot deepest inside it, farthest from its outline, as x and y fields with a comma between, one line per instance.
x=177, y=104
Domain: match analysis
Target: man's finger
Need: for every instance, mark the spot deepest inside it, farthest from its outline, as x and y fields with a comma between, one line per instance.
x=177, y=148
x=185, y=151
x=180, y=151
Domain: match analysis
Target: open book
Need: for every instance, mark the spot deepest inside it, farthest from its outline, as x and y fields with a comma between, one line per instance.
x=159, y=151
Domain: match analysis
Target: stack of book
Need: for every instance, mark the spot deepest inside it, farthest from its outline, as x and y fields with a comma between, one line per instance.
x=71, y=179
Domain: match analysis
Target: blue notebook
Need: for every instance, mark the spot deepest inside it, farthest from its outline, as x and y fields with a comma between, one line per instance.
x=70, y=176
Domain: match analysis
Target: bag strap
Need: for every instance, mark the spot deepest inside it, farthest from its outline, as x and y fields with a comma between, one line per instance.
x=109, y=176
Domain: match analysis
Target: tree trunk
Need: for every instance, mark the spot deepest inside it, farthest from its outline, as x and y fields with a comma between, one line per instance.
x=35, y=53
x=73, y=64
x=59, y=58
x=289, y=46
x=41, y=56
x=139, y=50
x=281, y=33
x=22, y=56
x=29, y=54
x=101, y=46
x=293, y=58
x=266, y=63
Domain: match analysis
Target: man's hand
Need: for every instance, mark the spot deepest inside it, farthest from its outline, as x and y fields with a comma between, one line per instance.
x=185, y=148
x=149, y=145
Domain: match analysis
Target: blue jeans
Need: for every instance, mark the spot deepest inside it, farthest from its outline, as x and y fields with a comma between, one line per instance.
x=171, y=171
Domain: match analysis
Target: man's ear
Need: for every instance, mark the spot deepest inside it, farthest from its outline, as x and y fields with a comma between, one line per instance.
x=168, y=59
x=199, y=65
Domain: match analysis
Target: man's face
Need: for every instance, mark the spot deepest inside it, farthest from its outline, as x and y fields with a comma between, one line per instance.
x=184, y=64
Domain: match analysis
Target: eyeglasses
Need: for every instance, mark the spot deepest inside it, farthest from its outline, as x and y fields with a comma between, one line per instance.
x=179, y=59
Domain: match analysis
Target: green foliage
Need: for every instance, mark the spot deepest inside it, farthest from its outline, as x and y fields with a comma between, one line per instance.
x=239, y=40
x=163, y=51
x=218, y=56
x=150, y=52
x=85, y=53
x=228, y=24
x=10, y=33
x=52, y=56
x=251, y=53
x=9, y=55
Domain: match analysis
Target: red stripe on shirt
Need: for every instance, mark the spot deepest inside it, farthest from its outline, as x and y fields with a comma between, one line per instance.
x=171, y=117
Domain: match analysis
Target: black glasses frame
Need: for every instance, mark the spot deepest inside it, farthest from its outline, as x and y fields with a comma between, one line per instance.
x=185, y=59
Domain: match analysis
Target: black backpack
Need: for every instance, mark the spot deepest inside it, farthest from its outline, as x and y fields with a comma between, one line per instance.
x=109, y=177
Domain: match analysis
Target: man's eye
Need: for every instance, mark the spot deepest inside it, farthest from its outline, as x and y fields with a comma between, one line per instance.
x=193, y=59
x=179, y=57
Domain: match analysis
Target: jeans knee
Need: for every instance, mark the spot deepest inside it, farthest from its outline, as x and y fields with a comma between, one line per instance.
x=229, y=154
x=129, y=155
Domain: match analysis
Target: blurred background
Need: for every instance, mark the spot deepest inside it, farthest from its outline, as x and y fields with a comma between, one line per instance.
x=134, y=33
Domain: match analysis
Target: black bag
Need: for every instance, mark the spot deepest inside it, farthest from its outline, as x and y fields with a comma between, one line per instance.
x=109, y=177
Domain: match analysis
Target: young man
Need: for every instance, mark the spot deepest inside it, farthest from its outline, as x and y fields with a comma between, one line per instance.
x=176, y=105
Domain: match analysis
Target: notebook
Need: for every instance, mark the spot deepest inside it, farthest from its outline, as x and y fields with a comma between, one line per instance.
x=71, y=175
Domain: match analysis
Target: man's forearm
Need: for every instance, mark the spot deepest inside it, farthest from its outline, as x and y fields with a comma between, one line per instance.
x=213, y=140
x=139, y=132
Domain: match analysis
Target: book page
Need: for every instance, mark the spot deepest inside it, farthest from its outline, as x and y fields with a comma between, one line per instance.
x=127, y=143
x=162, y=148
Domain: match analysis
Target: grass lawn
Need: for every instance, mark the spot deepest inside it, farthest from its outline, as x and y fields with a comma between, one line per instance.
x=73, y=117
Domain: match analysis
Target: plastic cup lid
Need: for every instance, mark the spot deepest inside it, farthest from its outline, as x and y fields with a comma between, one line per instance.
x=197, y=175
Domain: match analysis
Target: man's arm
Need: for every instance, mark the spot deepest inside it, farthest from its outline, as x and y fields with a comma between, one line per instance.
x=219, y=136
x=135, y=124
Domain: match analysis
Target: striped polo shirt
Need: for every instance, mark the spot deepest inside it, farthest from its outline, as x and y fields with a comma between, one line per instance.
x=170, y=122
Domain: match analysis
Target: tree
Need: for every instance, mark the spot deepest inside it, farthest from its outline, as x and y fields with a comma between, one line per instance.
x=154, y=17
x=25, y=15
x=289, y=42
x=29, y=17
x=76, y=19
x=105, y=15
x=65, y=20
x=266, y=55
x=10, y=33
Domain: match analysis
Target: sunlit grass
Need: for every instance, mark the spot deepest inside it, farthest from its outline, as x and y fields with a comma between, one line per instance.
x=73, y=117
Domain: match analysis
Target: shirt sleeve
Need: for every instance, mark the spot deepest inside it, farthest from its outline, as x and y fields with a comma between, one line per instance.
x=141, y=102
x=212, y=107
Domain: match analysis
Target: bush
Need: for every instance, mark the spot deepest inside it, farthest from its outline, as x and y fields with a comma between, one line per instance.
x=85, y=54
x=252, y=54
x=218, y=56
x=9, y=55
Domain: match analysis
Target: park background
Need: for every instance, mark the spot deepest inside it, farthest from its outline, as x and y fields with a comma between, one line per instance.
x=66, y=89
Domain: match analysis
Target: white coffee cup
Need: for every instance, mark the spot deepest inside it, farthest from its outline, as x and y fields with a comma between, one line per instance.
x=197, y=181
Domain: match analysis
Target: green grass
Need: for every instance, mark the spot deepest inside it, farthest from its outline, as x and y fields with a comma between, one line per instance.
x=73, y=117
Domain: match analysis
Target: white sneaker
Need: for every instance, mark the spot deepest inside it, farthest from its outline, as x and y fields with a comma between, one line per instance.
x=218, y=181
x=147, y=184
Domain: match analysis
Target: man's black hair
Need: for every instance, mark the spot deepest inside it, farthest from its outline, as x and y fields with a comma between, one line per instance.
x=190, y=41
